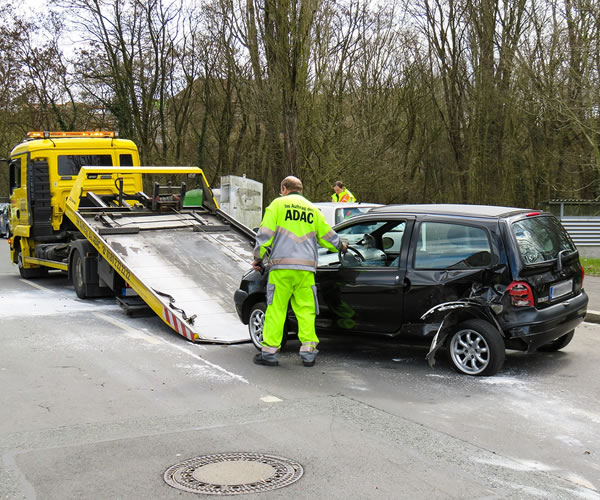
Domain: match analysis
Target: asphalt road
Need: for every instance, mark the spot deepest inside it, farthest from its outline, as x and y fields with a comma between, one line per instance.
x=98, y=405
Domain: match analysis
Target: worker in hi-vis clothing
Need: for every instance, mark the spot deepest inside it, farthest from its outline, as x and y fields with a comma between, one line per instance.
x=291, y=231
x=342, y=194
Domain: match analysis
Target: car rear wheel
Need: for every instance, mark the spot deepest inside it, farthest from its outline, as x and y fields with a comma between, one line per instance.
x=256, y=324
x=476, y=348
x=558, y=344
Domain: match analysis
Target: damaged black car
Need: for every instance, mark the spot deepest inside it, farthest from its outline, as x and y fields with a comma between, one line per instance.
x=472, y=280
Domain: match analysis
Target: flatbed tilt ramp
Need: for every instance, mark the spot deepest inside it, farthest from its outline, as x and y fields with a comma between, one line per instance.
x=185, y=264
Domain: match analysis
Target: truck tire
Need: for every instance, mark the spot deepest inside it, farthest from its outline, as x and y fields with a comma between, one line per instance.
x=256, y=323
x=31, y=272
x=78, y=275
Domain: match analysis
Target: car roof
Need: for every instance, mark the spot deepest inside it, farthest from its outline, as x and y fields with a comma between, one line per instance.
x=453, y=209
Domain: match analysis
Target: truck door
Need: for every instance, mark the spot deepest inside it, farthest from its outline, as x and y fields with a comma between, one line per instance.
x=19, y=213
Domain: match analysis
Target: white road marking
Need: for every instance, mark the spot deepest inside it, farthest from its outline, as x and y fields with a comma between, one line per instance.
x=212, y=365
x=134, y=333
x=36, y=285
x=129, y=331
x=581, y=481
x=270, y=399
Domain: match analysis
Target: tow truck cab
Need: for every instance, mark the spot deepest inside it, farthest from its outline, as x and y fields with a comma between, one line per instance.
x=42, y=171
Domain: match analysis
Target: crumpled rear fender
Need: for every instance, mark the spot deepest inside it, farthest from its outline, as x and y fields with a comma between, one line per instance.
x=452, y=314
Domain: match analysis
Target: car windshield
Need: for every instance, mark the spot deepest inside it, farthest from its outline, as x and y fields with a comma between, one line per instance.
x=540, y=239
x=344, y=213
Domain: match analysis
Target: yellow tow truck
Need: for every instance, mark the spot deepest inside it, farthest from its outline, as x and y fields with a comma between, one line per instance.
x=77, y=205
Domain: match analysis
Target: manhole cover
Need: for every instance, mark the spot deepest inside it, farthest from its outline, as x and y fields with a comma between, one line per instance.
x=233, y=473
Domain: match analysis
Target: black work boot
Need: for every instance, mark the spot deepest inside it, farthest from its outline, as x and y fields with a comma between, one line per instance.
x=308, y=353
x=259, y=359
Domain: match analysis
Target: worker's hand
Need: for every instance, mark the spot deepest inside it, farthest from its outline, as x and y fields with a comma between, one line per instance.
x=257, y=265
x=344, y=247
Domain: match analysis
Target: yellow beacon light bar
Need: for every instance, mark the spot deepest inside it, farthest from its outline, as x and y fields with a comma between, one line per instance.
x=48, y=135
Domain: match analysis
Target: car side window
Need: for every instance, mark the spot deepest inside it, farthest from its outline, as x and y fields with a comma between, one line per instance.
x=373, y=244
x=392, y=238
x=363, y=247
x=442, y=245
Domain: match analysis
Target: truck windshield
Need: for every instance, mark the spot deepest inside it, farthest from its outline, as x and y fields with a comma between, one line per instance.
x=540, y=239
x=71, y=164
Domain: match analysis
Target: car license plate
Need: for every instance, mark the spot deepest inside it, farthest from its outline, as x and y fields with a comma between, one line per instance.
x=560, y=289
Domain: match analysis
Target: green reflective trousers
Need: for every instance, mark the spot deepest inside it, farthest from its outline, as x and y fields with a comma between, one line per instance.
x=287, y=285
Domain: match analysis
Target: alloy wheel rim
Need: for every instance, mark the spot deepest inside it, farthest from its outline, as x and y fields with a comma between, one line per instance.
x=470, y=352
x=257, y=321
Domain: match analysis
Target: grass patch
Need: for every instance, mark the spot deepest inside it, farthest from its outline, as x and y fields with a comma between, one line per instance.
x=591, y=266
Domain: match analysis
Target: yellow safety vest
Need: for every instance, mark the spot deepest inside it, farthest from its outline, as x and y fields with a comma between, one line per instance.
x=343, y=197
x=293, y=229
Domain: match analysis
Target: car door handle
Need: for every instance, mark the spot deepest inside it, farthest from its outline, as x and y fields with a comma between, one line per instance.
x=406, y=284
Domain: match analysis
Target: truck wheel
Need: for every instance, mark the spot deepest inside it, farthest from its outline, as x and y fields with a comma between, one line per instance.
x=256, y=324
x=30, y=272
x=78, y=275
x=558, y=344
x=476, y=348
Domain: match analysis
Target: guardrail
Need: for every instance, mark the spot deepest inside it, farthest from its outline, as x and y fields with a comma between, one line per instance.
x=584, y=231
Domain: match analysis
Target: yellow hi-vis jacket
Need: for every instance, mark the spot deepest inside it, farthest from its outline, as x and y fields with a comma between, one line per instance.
x=293, y=228
x=344, y=196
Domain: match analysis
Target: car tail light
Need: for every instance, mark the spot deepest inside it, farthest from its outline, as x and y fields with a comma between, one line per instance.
x=582, y=275
x=520, y=294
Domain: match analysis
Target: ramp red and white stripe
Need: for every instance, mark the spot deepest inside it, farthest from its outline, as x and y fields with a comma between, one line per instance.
x=177, y=324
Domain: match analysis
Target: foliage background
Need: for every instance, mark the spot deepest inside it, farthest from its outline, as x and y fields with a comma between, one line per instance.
x=406, y=101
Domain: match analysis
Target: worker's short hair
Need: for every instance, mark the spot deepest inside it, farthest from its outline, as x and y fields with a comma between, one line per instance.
x=292, y=183
x=339, y=184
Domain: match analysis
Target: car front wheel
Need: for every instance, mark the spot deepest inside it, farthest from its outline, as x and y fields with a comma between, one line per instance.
x=476, y=348
x=256, y=324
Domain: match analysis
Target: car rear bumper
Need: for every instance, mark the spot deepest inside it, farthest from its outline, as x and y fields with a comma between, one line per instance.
x=534, y=328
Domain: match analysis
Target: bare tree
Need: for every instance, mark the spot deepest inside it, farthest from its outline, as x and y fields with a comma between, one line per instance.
x=127, y=62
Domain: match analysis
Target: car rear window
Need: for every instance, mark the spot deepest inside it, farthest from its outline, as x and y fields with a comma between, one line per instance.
x=444, y=245
x=540, y=239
